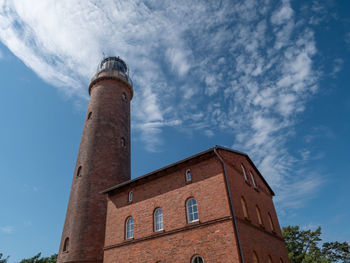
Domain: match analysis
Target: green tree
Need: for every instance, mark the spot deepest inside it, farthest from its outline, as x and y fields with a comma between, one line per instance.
x=3, y=260
x=336, y=252
x=304, y=247
x=38, y=259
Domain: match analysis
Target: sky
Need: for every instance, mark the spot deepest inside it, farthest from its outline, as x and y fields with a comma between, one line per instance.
x=269, y=78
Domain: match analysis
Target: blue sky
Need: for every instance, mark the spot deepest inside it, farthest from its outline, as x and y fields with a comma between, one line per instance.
x=270, y=78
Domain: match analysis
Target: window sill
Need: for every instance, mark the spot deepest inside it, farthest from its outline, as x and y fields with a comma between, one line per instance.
x=188, y=182
x=194, y=222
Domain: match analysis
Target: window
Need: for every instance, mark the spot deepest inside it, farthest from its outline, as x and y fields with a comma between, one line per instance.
x=197, y=259
x=158, y=219
x=130, y=196
x=255, y=257
x=122, y=142
x=188, y=175
x=271, y=222
x=192, y=210
x=269, y=259
x=89, y=115
x=65, y=245
x=259, y=215
x=124, y=98
x=79, y=171
x=244, y=208
x=253, y=179
x=244, y=173
x=129, y=228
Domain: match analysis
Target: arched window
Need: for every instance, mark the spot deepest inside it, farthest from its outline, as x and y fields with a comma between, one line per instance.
x=79, y=171
x=129, y=228
x=244, y=173
x=244, y=208
x=158, y=219
x=65, y=245
x=255, y=257
x=197, y=259
x=192, y=210
x=253, y=179
x=124, y=98
x=122, y=142
x=271, y=222
x=188, y=175
x=270, y=259
x=130, y=196
x=89, y=115
x=259, y=215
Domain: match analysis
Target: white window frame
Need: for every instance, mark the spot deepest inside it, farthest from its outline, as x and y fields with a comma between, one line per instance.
x=192, y=210
x=130, y=196
x=158, y=220
x=188, y=175
x=244, y=173
x=253, y=179
x=129, y=228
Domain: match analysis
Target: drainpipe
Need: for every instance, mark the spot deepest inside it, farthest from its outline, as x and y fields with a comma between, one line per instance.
x=231, y=206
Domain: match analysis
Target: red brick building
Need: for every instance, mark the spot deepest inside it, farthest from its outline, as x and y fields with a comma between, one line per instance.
x=214, y=206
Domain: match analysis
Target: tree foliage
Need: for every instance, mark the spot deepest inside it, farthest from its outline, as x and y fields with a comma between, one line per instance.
x=38, y=259
x=304, y=247
x=3, y=260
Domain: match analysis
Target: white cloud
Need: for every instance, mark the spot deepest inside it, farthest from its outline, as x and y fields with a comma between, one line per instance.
x=245, y=66
x=7, y=229
x=283, y=14
x=209, y=133
x=178, y=60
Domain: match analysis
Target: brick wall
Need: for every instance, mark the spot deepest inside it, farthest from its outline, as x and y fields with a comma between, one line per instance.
x=253, y=236
x=104, y=162
x=212, y=237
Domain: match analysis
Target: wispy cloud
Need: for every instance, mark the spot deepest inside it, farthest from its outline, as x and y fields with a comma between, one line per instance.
x=240, y=66
x=7, y=229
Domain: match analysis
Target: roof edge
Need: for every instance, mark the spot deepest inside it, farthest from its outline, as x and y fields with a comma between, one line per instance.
x=157, y=171
x=106, y=191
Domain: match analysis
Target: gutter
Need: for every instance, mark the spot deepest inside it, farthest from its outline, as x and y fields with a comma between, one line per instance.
x=231, y=206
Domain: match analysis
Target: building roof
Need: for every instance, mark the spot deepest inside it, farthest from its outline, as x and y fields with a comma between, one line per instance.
x=198, y=155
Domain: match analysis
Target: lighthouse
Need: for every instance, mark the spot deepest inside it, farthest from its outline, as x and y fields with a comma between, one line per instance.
x=103, y=161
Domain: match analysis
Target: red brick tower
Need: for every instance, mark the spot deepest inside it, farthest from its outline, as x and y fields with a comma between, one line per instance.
x=103, y=161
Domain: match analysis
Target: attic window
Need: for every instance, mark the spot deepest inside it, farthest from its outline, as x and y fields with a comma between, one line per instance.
x=188, y=175
x=253, y=179
x=244, y=173
x=130, y=196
